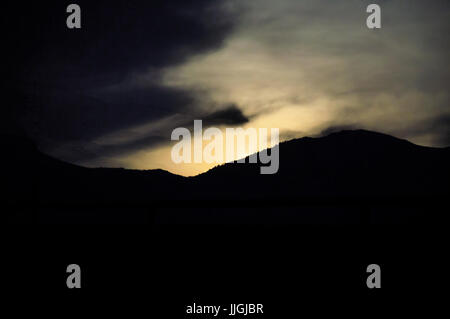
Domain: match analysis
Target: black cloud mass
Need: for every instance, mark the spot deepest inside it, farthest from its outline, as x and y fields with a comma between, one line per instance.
x=62, y=83
x=138, y=69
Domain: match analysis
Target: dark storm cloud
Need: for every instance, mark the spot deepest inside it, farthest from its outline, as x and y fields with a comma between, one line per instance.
x=136, y=70
x=117, y=38
x=70, y=116
x=83, y=152
x=78, y=84
x=230, y=115
x=137, y=138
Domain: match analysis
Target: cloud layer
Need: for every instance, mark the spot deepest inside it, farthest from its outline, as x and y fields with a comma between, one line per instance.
x=110, y=93
x=306, y=65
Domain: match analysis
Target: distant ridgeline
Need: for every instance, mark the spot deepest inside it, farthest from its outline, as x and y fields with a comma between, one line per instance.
x=350, y=176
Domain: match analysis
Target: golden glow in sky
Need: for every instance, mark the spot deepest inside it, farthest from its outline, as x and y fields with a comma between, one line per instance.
x=305, y=66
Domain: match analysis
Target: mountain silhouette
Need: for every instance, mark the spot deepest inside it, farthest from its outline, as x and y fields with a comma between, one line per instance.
x=348, y=176
x=355, y=163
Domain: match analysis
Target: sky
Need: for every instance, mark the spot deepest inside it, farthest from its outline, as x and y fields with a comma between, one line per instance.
x=110, y=94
